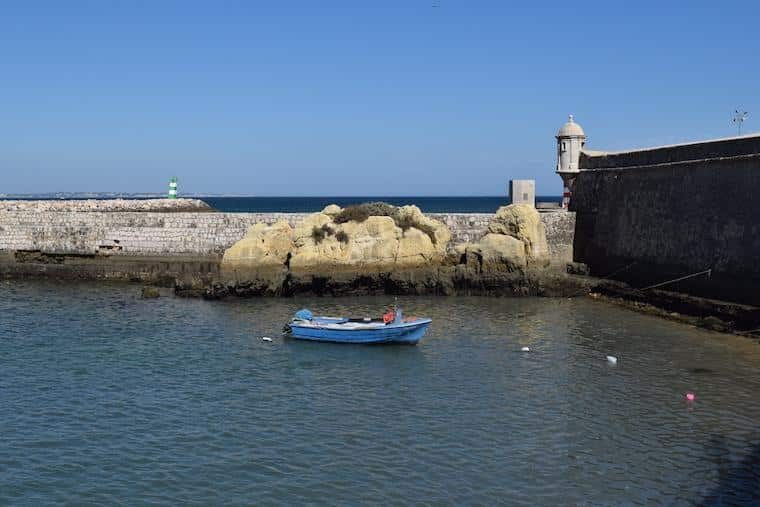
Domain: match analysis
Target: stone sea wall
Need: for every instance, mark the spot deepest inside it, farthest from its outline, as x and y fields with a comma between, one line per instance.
x=140, y=233
x=126, y=233
x=649, y=216
x=47, y=240
x=560, y=229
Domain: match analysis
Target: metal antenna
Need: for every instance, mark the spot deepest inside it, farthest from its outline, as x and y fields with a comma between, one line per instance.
x=739, y=118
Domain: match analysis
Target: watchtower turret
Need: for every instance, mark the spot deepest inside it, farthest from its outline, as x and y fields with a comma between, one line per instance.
x=570, y=141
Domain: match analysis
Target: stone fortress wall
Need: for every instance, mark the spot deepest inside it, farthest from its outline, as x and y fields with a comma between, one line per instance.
x=652, y=215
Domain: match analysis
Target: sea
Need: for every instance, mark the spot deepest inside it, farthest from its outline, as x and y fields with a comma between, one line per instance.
x=469, y=204
x=428, y=204
x=110, y=399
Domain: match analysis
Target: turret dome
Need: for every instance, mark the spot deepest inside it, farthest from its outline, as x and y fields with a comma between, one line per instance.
x=571, y=129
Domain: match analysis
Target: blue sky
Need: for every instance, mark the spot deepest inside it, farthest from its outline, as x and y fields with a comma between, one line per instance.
x=353, y=97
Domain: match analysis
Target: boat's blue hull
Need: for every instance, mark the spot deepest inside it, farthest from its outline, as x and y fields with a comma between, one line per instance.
x=406, y=332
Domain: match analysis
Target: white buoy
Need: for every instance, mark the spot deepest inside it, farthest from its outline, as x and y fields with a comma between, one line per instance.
x=612, y=359
x=525, y=349
x=266, y=339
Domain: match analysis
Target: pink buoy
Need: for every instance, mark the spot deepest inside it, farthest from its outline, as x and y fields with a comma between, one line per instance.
x=691, y=396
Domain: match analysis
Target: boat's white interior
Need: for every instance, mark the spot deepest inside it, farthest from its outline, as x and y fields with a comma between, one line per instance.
x=344, y=325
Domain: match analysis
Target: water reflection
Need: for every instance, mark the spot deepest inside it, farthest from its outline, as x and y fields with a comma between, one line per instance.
x=738, y=480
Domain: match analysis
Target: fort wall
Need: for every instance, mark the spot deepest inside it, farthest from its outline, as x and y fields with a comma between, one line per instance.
x=649, y=216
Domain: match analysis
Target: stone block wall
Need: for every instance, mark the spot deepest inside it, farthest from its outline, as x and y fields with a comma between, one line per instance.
x=654, y=217
x=68, y=232
x=125, y=233
x=675, y=154
x=560, y=229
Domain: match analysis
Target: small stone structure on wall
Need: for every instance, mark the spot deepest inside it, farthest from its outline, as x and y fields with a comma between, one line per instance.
x=522, y=192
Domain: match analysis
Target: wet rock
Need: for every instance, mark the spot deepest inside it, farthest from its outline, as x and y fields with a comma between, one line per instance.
x=577, y=268
x=150, y=293
x=709, y=313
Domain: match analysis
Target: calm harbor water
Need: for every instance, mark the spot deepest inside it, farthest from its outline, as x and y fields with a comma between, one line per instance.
x=109, y=399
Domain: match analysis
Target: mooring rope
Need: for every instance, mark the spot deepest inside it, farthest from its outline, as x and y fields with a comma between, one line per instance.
x=708, y=271
x=603, y=278
x=619, y=270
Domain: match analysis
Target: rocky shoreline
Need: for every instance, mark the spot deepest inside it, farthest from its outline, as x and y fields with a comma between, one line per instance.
x=377, y=248
x=722, y=316
x=541, y=283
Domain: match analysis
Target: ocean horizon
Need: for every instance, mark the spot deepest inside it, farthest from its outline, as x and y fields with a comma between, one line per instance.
x=311, y=204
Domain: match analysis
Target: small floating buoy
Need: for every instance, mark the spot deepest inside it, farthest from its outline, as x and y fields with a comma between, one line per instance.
x=266, y=339
x=612, y=359
x=525, y=349
x=691, y=396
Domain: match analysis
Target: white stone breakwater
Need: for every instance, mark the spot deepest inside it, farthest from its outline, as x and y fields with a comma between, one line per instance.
x=108, y=205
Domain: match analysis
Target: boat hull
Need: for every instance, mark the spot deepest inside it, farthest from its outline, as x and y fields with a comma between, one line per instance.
x=407, y=333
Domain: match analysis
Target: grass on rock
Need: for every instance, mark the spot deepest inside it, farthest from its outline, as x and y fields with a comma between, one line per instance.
x=320, y=233
x=341, y=236
x=361, y=212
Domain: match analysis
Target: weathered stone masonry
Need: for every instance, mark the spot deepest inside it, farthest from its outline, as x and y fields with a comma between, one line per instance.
x=153, y=244
x=179, y=233
x=126, y=233
x=648, y=216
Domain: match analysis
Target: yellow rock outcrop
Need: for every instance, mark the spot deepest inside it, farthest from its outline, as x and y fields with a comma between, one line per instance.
x=405, y=242
x=262, y=255
x=523, y=222
x=318, y=246
x=262, y=246
x=497, y=253
x=377, y=248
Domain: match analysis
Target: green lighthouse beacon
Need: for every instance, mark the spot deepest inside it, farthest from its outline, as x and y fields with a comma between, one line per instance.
x=173, y=188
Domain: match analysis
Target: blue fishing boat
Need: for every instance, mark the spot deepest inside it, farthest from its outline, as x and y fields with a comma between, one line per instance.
x=391, y=328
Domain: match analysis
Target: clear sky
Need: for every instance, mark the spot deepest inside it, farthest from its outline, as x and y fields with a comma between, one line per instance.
x=412, y=97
